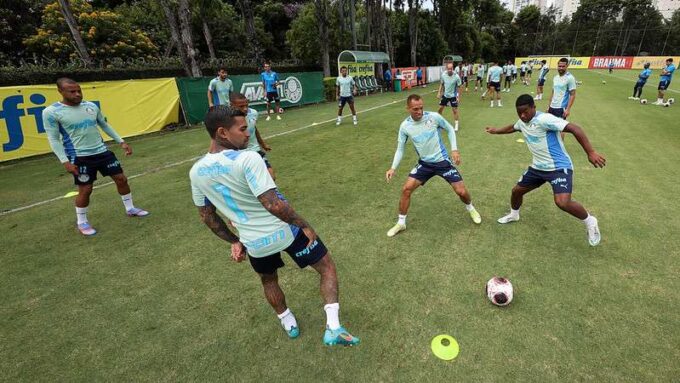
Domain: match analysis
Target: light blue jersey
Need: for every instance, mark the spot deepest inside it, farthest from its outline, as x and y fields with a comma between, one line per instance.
x=644, y=75
x=231, y=181
x=72, y=130
x=270, y=79
x=543, y=72
x=542, y=135
x=346, y=85
x=562, y=86
x=480, y=71
x=451, y=84
x=670, y=68
x=426, y=137
x=251, y=119
x=495, y=73
x=221, y=91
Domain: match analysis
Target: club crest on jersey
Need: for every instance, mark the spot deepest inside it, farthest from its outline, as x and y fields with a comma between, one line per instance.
x=83, y=177
x=90, y=110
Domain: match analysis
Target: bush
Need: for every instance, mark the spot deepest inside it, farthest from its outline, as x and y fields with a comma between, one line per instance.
x=329, y=88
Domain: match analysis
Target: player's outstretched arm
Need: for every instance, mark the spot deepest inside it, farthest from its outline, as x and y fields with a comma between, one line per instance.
x=283, y=211
x=260, y=141
x=209, y=216
x=506, y=130
x=595, y=158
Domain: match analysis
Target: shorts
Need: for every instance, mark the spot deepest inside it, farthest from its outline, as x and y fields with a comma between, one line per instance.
x=557, y=112
x=522, y=74
x=465, y=78
x=514, y=75
x=640, y=84
x=453, y=101
x=419, y=78
x=105, y=163
x=264, y=157
x=302, y=255
x=496, y=85
x=530, y=71
x=273, y=96
x=426, y=170
x=560, y=179
x=541, y=82
x=664, y=84
x=479, y=78
x=344, y=100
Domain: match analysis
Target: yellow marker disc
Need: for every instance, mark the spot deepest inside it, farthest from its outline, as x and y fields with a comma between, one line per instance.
x=520, y=140
x=445, y=347
x=71, y=194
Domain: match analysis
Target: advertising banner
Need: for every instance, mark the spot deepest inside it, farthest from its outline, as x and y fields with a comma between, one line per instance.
x=574, y=62
x=132, y=107
x=602, y=62
x=409, y=74
x=358, y=69
x=434, y=73
x=294, y=89
x=656, y=62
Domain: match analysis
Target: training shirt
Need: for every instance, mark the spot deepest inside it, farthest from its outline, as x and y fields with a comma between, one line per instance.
x=542, y=135
x=562, y=85
x=644, y=75
x=543, y=72
x=251, y=119
x=77, y=126
x=221, y=90
x=667, y=77
x=508, y=70
x=451, y=84
x=419, y=73
x=514, y=68
x=495, y=73
x=269, y=79
x=426, y=137
x=388, y=75
x=465, y=70
x=231, y=180
x=346, y=85
x=480, y=71
x=523, y=68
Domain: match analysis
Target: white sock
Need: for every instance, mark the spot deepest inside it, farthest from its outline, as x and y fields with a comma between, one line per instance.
x=332, y=315
x=499, y=103
x=354, y=117
x=81, y=214
x=402, y=219
x=514, y=213
x=456, y=123
x=469, y=207
x=127, y=201
x=484, y=94
x=590, y=220
x=492, y=104
x=660, y=101
x=287, y=319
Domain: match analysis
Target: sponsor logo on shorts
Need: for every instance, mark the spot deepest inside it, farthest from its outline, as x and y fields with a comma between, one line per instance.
x=451, y=172
x=113, y=164
x=83, y=177
x=307, y=249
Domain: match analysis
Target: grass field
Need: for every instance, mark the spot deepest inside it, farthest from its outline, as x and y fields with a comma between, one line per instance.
x=157, y=299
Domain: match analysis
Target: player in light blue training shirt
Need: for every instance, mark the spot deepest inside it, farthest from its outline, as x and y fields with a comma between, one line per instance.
x=551, y=163
x=220, y=89
x=71, y=128
x=666, y=77
x=479, y=82
x=345, y=89
x=270, y=83
x=642, y=80
x=256, y=142
x=542, y=73
x=494, y=83
x=425, y=130
x=236, y=183
x=448, y=92
x=563, y=91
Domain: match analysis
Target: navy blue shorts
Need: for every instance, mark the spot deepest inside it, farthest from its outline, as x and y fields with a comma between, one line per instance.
x=496, y=85
x=302, y=255
x=541, y=82
x=344, y=100
x=522, y=74
x=664, y=84
x=530, y=71
x=560, y=179
x=557, y=112
x=479, y=78
x=105, y=163
x=273, y=96
x=426, y=170
x=453, y=101
x=264, y=157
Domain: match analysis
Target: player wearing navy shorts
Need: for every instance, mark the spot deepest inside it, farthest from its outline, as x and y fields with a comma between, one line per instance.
x=270, y=83
x=642, y=80
x=448, y=93
x=542, y=73
x=256, y=143
x=666, y=77
x=346, y=88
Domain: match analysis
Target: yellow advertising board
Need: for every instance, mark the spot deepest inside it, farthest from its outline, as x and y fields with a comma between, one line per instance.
x=358, y=69
x=574, y=62
x=656, y=62
x=132, y=107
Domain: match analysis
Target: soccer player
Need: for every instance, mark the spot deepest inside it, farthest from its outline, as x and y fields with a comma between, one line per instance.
x=666, y=77
x=466, y=72
x=220, y=89
x=419, y=77
x=345, y=88
x=71, y=127
x=542, y=73
x=480, y=77
x=523, y=73
x=514, y=71
x=235, y=183
x=642, y=80
x=551, y=163
x=508, y=77
x=494, y=83
x=530, y=68
x=424, y=129
x=611, y=67
x=270, y=82
x=388, y=78
x=448, y=92
x=256, y=142
x=563, y=91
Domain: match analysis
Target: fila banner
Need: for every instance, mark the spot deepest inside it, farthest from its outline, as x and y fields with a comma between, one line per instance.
x=358, y=69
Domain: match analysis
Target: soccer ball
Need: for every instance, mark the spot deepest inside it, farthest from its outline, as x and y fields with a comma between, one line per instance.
x=280, y=110
x=671, y=100
x=666, y=104
x=499, y=291
x=604, y=82
x=643, y=101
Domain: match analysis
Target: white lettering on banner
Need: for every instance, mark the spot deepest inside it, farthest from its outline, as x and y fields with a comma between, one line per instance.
x=603, y=62
x=289, y=90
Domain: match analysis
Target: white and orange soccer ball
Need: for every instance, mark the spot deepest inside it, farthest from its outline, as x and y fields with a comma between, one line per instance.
x=499, y=291
x=643, y=101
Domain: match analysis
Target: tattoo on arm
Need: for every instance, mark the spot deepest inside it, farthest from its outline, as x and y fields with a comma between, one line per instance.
x=281, y=209
x=216, y=224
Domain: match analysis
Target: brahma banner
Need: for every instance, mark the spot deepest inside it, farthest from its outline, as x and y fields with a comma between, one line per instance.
x=132, y=107
x=602, y=62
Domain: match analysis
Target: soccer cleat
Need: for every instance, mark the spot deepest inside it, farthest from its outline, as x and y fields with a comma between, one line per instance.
x=636, y=98
x=278, y=117
x=395, y=230
x=593, y=234
x=476, y=218
x=508, y=218
x=491, y=104
x=339, y=337
x=338, y=121
x=137, y=212
x=631, y=98
x=355, y=122
x=268, y=118
x=455, y=128
x=293, y=333
x=86, y=230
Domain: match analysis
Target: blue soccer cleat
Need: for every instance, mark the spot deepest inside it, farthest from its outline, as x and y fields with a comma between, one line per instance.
x=339, y=336
x=293, y=333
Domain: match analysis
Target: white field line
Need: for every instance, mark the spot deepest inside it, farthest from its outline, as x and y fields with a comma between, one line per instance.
x=172, y=165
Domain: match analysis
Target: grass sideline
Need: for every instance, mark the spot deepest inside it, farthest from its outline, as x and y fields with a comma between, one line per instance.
x=157, y=298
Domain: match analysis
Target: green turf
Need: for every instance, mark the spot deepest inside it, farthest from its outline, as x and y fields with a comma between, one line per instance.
x=157, y=299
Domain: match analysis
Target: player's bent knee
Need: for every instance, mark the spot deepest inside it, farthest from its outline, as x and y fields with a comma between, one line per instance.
x=562, y=201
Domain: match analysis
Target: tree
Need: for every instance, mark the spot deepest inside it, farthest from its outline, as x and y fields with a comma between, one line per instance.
x=204, y=9
x=18, y=20
x=321, y=10
x=187, y=37
x=251, y=32
x=171, y=18
x=75, y=33
x=413, y=6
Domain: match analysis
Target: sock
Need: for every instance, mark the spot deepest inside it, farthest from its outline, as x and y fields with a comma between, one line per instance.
x=81, y=214
x=339, y=118
x=469, y=207
x=354, y=117
x=499, y=103
x=332, y=315
x=127, y=201
x=659, y=100
x=492, y=104
x=514, y=213
x=456, y=123
x=287, y=319
x=590, y=220
x=402, y=219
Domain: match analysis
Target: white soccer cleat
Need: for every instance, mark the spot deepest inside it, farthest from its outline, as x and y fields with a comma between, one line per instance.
x=278, y=117
x=355, y=122
x=508, y=218
x=631, y=98
x=395, y=230
x=594, y=236
x=338, y=121
x=268, y=118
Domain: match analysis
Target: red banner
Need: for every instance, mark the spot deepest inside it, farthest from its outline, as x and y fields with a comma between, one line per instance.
x=409, y=74
x=602, y=62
